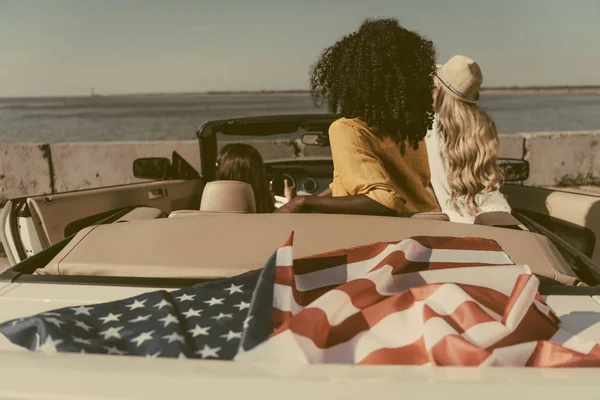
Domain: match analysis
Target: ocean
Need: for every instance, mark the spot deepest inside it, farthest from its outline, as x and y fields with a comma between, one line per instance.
x=173, y=117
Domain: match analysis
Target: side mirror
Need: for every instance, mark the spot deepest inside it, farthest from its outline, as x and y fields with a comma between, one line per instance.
x=515, y=170
x=316, y=140
x=155, y=168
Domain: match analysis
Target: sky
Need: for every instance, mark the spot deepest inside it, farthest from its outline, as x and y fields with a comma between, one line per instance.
x=68, y=47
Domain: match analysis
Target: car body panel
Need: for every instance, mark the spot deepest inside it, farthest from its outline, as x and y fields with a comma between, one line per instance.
x=75, y=376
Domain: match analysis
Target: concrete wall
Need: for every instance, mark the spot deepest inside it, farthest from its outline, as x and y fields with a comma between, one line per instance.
x=28, y=169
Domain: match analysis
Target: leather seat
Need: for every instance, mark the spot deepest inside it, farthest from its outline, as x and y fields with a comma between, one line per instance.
x=223, y=197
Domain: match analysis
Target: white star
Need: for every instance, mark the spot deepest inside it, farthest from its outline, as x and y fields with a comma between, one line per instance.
x=55, y=321
x=155, y=355
x=163, y=303
x=198, y=330
x=16, y=321
x=221, y=315
x=192, y=313
x=207, y=351
x=242, y=306
x=83, y=325
x=49, y=346
x=174, y=337
x=136, y=304
x=110, y=317
x=186, y=297
x=82, y=310
x=214, y=301
x=81, y=340
x=235, y=289
x=112, y=332
x=168, y=319
x=52, y=313
x=140, y=318
x=247, y=320
x=142, y=337
x=232, y=335
x=181, y=356
x=114, y=350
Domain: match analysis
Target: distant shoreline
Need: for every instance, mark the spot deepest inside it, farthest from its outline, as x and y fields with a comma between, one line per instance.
x=492, y=90
x=587, y=89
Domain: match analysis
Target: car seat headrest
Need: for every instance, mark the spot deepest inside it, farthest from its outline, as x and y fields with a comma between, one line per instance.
x=228, y=196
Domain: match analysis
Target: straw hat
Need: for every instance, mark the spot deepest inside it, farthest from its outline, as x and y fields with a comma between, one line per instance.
x=462, y=77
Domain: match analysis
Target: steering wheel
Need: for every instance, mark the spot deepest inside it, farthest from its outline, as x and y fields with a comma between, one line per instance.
x=276, y=183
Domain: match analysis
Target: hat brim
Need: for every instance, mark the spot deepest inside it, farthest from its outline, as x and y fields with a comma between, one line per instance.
x=440, y=77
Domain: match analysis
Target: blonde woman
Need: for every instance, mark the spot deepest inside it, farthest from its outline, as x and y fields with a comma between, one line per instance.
x=463, y=145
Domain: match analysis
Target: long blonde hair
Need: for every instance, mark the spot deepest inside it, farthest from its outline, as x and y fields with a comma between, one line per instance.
x=471, y=148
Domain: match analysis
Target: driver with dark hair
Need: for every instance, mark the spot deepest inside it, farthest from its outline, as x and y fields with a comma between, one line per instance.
x=380, y=80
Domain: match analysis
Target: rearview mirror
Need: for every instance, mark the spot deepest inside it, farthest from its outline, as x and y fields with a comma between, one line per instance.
x=156, y=168
x=514, y=169
x=316, y=140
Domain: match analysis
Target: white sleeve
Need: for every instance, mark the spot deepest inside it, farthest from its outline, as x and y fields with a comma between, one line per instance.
x=437, y=165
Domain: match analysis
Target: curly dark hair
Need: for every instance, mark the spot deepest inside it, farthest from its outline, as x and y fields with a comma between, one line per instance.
x=382, y=74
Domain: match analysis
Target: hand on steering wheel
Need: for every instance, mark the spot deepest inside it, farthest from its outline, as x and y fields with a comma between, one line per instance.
x=288, y=191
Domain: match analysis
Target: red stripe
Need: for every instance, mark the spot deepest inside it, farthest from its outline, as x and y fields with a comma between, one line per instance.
x=312, y=322
x=548, y=354
x=412, y=354
x=335, y=258
x=456, y=351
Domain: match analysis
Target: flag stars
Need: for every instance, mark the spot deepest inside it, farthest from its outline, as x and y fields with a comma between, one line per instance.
x=186, y=297
x=82, y=310
x=192, y=313
x=208, y=351
x=110, y=318
x=213, y=301
x=54, y=321
x=174, y=337
x=242, y=306
x=142, y=337
x=199, y=331
x=83, y=325
x=163, y=303
x=141, y=318
x=155, y=355
x=247, y=321
x=221, y=315
x=136, y=304
x=81, y=340
x=167, y=320
x=49, y=346
x=114, y=350
x=112, y=332
x=232, y=335
x=234, y=289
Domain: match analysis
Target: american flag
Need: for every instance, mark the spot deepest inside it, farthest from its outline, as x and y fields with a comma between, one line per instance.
x=436, y=301
x=203, y=321
x=419, y=301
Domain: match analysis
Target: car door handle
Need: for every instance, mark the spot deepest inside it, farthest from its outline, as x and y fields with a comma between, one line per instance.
x=157, y=194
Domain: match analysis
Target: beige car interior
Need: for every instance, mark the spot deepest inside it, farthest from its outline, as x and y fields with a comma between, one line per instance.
x=213, y=245
x=52, y=213
x=238, y=197
x=578, y=209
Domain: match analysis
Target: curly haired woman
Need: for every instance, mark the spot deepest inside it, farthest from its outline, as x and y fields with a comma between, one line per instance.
x=463, y=145
x=380, y=80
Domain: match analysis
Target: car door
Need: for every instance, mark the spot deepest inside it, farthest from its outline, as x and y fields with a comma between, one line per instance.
x=32, y=224
x=575, y=217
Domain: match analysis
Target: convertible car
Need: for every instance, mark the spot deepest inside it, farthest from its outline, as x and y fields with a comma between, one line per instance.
x=176, y=229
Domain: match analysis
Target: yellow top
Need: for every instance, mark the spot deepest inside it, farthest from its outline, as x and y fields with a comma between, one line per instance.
x=365, y=164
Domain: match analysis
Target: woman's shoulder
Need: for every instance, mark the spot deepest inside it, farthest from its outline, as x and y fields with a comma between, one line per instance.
x=354, y=126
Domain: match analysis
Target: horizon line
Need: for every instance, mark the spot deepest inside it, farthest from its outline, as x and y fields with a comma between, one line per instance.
x=295, y=91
